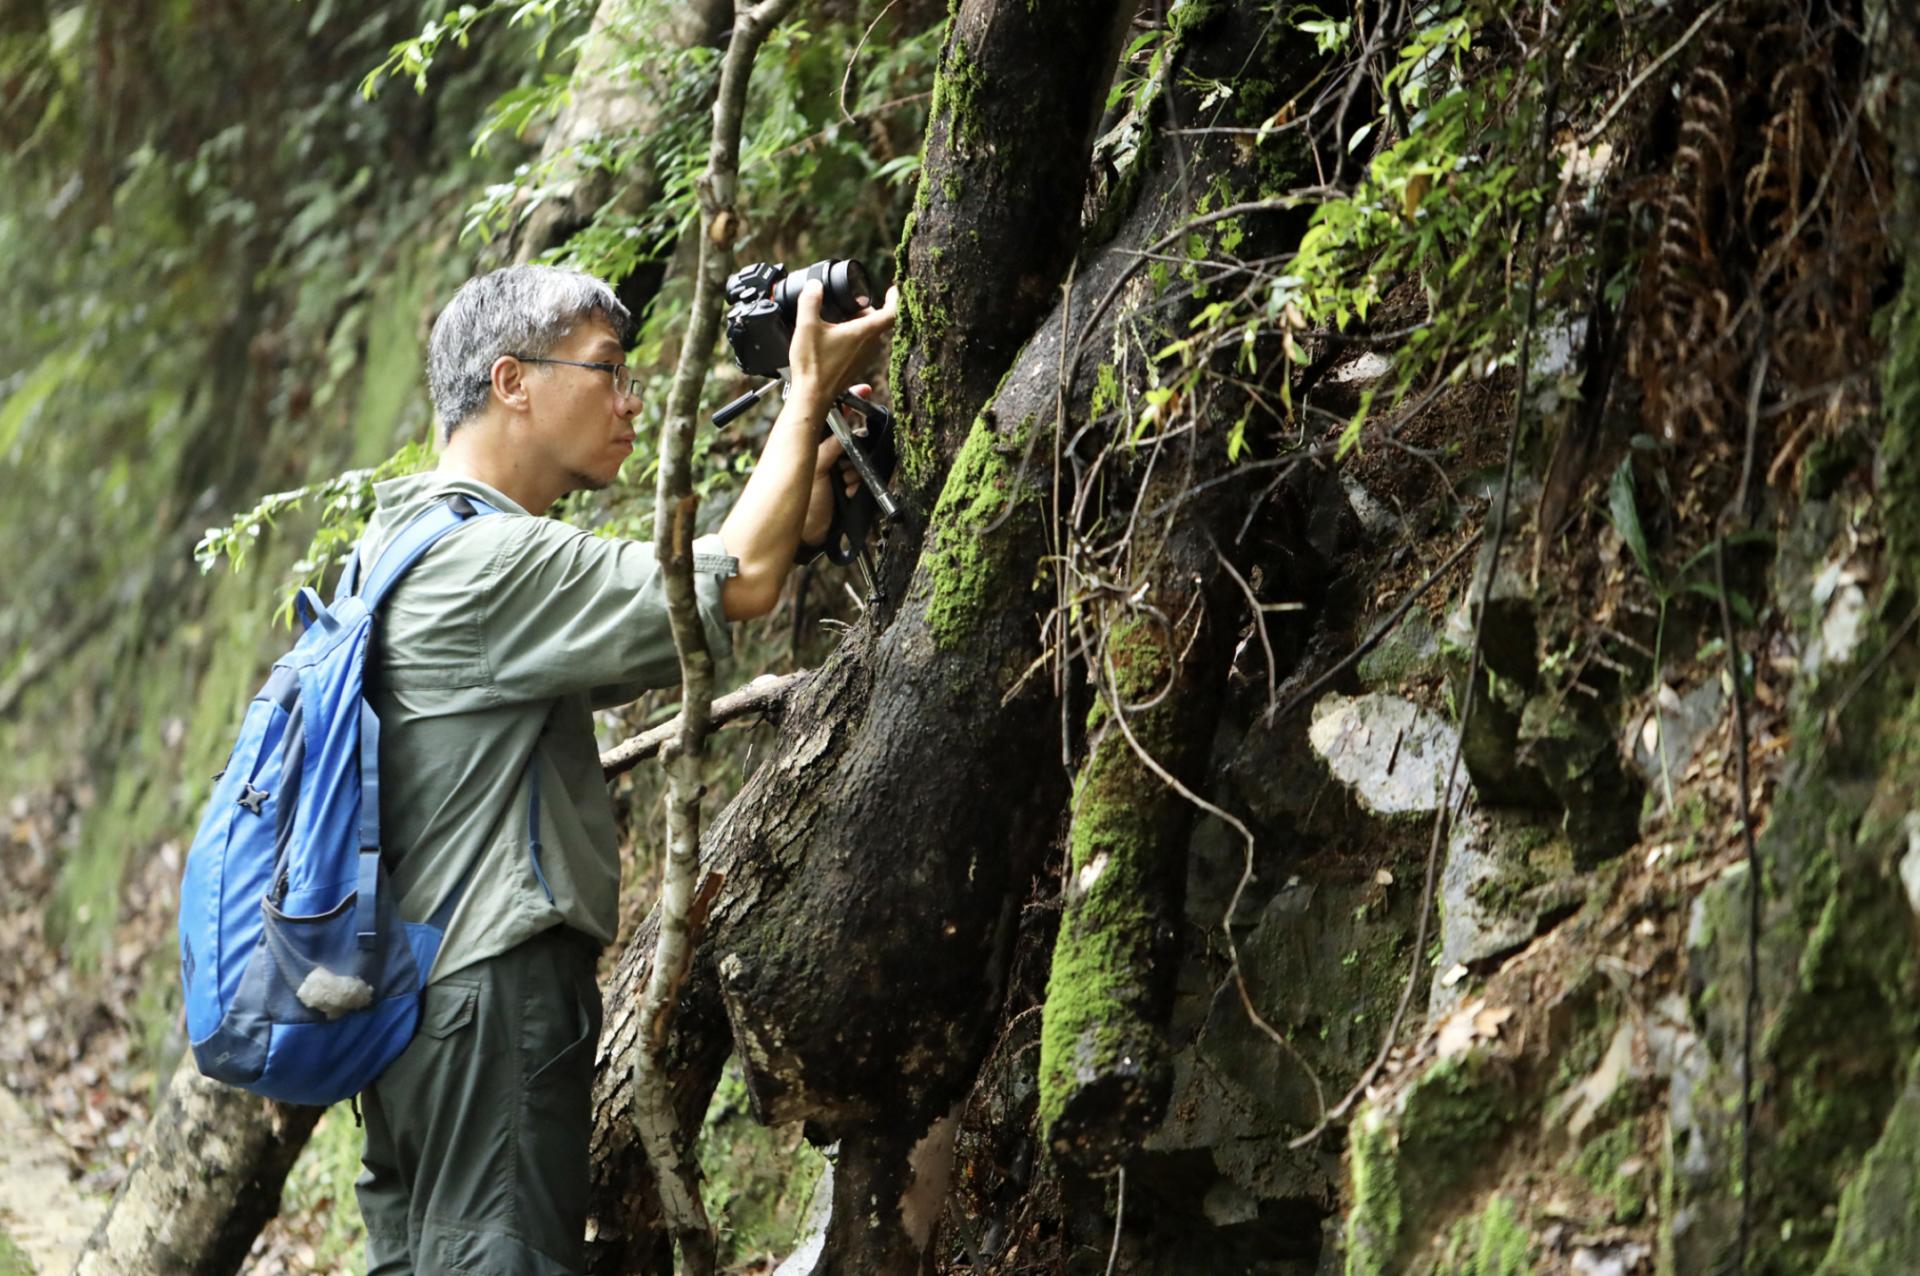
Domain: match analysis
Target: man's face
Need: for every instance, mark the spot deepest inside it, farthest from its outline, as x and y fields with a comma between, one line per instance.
x=583, y=426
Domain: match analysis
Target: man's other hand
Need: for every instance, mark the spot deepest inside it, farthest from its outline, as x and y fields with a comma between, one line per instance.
x=830, y=462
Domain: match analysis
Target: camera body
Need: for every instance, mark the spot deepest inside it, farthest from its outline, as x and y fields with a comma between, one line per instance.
x=765, y=306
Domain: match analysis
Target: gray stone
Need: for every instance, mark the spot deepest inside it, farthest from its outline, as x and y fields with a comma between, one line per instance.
x=1377, y=520
x=1501, y=874
x=1622, y=1259
x=1910, y=861
x=1393, y=754
x=1227, y=1203
x=1508, y=637
x=1663, y=740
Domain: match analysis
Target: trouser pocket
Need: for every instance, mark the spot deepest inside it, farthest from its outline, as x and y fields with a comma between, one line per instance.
x=563, y=1031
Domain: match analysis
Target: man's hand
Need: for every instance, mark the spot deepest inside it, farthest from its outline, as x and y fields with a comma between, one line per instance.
x=825, y=357
x=830, y=463
x=783, y=494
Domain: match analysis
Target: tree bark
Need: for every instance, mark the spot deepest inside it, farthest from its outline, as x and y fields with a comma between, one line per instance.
x=992, y=227
x=207, y=1180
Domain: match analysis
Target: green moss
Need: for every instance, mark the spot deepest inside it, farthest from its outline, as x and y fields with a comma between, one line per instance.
x=1109, y=931
x=1493, y=1242
x=1838, y=970
x=958, y=88
x=1410, y=652
x=1878, y=1229
x=13, y=1260
x=965, y=574
x=1838, y=1047
x=1376, y=1218
x=1106, y=390
x=1192, y=15
x=1600, y=1164
x=1450, y=1123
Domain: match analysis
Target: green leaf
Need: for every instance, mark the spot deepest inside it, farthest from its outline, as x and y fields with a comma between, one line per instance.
x=1625, y=513
x=1237, y=438
x=1736, y=601
x=1350, y=436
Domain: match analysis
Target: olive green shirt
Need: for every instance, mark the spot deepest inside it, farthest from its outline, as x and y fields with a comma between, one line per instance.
x=492, y=651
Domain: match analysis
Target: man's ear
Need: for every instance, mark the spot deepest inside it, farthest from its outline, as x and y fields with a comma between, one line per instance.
x=509, y=379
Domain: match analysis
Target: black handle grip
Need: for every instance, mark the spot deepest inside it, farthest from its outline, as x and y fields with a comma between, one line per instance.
x=874, y=457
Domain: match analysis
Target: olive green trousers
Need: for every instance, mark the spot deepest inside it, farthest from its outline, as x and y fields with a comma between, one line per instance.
x=476, y=1152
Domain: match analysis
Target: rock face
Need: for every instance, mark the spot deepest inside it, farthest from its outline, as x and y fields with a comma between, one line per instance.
x=1565, y=1094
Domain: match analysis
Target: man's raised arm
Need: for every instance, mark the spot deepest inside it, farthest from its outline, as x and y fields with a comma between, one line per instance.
x=764, y=527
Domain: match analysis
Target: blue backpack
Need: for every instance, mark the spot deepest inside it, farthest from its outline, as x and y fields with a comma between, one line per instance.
x=302, y=981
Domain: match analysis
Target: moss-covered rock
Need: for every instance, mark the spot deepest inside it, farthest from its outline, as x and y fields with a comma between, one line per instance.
x=1493, y=1242
x=1574, y=754
x=1421, y=1151
x=1878, y=1229
x=1612, y=1167
x=1409, y=652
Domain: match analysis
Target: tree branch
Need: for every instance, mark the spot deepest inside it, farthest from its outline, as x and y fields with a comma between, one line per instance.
x=764, y=695
x=653, y=1111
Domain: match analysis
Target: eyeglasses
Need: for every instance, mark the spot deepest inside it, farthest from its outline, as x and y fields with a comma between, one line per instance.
x=625, y=384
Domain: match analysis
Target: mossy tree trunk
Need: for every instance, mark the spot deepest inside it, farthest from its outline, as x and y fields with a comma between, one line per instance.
x=888, y=951
x=208, y=1178
x=875, y=863
x=1105, y=1064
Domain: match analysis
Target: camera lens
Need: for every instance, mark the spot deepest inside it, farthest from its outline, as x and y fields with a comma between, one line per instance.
x=846, y=289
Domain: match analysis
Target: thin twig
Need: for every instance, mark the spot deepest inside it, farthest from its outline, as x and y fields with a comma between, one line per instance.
x=677, y=1175
x=1259, y=621
x=1119, y=1214
x=847, y=78
x=1592, y=135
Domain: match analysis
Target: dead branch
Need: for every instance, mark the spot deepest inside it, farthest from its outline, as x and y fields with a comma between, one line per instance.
x=677, y=1174
x=761, y=697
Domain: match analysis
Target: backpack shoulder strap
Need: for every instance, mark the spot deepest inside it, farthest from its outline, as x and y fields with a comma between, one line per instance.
x=401, y=553
x=409, y=543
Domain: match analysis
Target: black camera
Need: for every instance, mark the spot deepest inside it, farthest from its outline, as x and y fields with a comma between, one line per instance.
x=760, y=321
x=766, y=302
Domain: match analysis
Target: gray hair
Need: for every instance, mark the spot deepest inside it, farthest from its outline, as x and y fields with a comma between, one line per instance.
x=519, y=310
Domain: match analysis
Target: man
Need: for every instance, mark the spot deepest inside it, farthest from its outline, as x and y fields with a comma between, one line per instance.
x=489, y=659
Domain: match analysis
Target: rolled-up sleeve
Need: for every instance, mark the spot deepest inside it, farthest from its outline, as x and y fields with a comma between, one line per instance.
x=566, y=612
